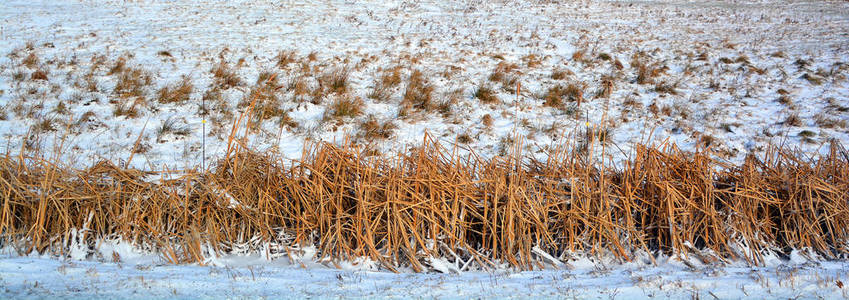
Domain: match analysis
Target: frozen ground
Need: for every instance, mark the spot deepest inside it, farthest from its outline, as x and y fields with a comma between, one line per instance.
x=733, y=75
x=253, y=278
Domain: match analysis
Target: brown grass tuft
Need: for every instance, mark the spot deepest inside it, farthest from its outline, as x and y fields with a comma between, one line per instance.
x=665, y=88
x=384, y=85
x=419, y=92
x=372, y=129
x=132, y=82
x=225, y=76
x=793, y=120
x=824, y=121
x=31, y=61
x=344, y=107
x=558, y=95
x=487, y=120
x=464, y=138
x=559, y=74
x=578, y=55
x=176, y=93
x=606, y=87
x=335, y=80
x=486, y=95
x=285, y=58
x=39, y=74
x=128, y=107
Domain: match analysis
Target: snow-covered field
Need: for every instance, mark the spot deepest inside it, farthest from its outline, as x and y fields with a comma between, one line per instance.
x=145, y=277
x=88, y=80
x=735, y=75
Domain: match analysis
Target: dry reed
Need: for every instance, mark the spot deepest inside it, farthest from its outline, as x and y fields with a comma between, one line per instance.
x=430, y=202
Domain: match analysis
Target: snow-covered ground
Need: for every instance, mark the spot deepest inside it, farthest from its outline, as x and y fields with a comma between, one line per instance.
x=735, y=75
x=145, y=277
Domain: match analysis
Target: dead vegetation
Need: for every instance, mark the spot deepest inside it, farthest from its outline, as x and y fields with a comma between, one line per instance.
x=285, y=58
x=419, y=93
x=559, y=74
x=176, y=93
x=506, y=74
x=225, y=76
x=428, y=202
x=558, y=95
x=172, y=126
x=335, y=80
x=39, y=74
x=344, y=107
x=646, y=73
x=131, y=81
x=385, y=84
x=373, y=129
x=486, y=94
x=793, y=119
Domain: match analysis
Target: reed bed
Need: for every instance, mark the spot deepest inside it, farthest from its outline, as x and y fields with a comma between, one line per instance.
x=404, y=210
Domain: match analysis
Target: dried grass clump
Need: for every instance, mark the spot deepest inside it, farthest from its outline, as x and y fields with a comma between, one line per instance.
x=263, y=101
x=793, y=120
x=403, y=210
x=824, y=121
x=19, y=75
x=665, y=88
x=599, y=134
x=225, y=76
x=46, y=125
x=131, y=82
x=39, y=74
x=645, y=72
x=384, y=85
x=116, y=68
x=606, y=87
x=285, y=58
x=335, y=81
x=502, y=71
x=31, y=61
x=176, y=93
x=559, y=74
x=578, y=55
x=372, y=129
x=344, y=107
x=464, y=138
x=487, y=120
x=813, y=79
x=300, y=87
x=558, y=95
x=419, y=92
x=128, y=107
x=532, y=60
x=486, y=94
x=506, y=74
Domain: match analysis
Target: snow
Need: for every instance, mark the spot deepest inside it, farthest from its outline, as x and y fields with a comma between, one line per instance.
x=146, y=277
x=784, y=42
x=734, y=102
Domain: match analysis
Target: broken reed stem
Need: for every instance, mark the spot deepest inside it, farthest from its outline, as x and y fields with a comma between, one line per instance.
x=431, y=202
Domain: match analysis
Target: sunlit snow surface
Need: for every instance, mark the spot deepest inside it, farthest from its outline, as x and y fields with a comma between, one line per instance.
x=727, y=101
x=145, y=277
x=734, y=102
